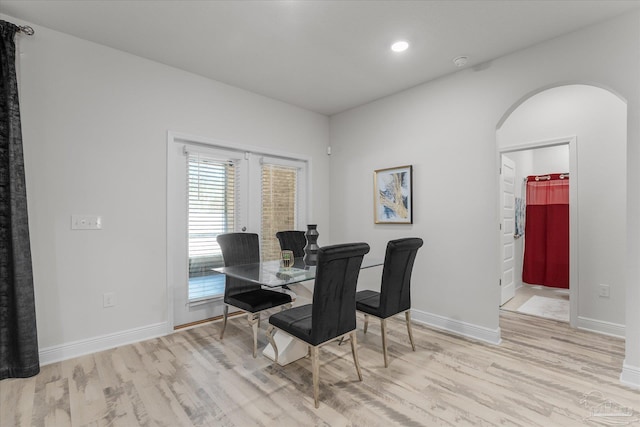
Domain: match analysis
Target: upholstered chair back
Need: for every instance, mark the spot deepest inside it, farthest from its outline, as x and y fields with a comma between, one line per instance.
x=237, y=249
x=395, y=290
x=292, y=240
x=334, y=292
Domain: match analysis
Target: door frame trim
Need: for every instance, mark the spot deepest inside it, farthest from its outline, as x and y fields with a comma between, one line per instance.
x=572, y=142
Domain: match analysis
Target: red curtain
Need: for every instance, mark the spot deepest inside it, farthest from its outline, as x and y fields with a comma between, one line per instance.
x=546, y=244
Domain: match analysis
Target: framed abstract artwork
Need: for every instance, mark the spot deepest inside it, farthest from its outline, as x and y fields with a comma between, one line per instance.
x=392, y=195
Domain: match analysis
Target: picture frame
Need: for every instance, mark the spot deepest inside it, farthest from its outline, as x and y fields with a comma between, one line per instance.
x=393, y=195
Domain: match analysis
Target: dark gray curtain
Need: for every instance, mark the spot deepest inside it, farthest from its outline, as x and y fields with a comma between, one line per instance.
x=18, y=336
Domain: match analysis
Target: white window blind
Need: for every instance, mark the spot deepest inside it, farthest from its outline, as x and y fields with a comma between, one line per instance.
x=211, y=211
x=279, y=206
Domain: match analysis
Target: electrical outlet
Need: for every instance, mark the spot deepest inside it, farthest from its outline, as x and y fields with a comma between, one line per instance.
x=109, y=299
x=86, y=222
x=604, y=291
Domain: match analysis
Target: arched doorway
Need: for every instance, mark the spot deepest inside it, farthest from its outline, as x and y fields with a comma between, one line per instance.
x=596, y=120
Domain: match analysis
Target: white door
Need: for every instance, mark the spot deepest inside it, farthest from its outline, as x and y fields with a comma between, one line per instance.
x=507, y=228
x=214, y=190
x=207, y=196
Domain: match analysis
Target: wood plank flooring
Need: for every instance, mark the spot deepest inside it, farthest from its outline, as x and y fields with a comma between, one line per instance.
x=543, y=374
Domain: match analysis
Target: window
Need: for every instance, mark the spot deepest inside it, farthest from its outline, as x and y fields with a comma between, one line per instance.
x=279, y=206
x=211, y=211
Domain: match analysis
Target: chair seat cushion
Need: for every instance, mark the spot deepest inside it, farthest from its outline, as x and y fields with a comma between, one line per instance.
x=368, y=302
x=296, y=321
x=258, y=300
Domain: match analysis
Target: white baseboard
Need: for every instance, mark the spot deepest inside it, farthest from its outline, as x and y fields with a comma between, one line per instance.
x=469, y=330
x=606, y=328
x=630, y=376
x=80, y=348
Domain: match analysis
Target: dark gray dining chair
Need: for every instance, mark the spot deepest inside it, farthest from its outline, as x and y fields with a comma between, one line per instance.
x=395, y=291
x=292, y=240
x=238, y=249
x=332, y=313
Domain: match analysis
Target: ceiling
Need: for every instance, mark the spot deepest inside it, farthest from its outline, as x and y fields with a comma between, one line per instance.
x=324, y=56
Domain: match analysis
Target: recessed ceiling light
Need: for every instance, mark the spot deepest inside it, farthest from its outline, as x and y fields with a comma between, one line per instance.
x=400, y=46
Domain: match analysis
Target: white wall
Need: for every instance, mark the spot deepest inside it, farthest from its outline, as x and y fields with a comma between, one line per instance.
x=446, y=129
x=598, y=119
x=95, y=124
x=556, y=159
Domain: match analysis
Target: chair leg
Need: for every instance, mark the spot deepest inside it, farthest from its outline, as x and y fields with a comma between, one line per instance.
x=224, y=319
x=407, y=315
x=270, y=331
x=366, y=322
x=315, y=368
x=354, y=351
x=383, y=324
x=253, y=321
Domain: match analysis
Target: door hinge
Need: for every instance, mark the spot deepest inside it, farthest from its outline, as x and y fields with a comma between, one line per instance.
x=499, y=282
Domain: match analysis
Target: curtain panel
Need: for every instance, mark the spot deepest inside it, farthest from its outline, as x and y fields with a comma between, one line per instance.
x=18, y=335
x=546, y=245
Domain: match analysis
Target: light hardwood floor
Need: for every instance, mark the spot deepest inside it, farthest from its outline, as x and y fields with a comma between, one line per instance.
x=543, y=374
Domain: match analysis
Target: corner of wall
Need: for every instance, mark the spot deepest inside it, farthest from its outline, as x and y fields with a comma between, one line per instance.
x=630, y=375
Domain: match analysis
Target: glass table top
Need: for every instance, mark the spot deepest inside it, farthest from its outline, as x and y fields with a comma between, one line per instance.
x=272, y=274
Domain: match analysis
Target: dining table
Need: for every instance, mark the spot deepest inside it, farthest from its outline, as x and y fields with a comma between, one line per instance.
x=272, y=275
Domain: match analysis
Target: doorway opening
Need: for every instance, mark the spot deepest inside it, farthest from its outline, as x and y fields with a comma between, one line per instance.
x=597, y=118
x=535, y=279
